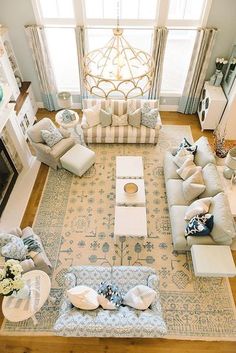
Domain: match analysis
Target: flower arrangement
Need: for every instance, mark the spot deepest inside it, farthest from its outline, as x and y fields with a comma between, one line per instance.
x=10, y=278
x=220, y=62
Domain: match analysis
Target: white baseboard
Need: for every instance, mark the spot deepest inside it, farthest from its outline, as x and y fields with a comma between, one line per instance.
x=168, y=108
x=18, y=200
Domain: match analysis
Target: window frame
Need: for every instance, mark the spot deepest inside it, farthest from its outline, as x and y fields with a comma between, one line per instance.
x=161, y=19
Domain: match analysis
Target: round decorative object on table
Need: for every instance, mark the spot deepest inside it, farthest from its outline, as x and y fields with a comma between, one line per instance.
x=16, y=310
x=23, y=293
x=64, y=99
x=67, y=125
x=131, y=188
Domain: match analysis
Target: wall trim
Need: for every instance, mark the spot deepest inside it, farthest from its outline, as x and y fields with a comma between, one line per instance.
x=168, y=108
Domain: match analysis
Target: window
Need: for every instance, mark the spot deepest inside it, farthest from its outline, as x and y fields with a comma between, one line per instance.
x=56, y=9
x=64, y=58
x=128, y=9
x=177, y=58
x=186, y=9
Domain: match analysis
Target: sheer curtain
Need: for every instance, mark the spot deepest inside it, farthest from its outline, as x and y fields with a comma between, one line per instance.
x=38, y=45
x=80, y=41
x=197, y=70
x=158, y=51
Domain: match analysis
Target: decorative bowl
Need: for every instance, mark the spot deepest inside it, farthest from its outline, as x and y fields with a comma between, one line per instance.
x=131, y=188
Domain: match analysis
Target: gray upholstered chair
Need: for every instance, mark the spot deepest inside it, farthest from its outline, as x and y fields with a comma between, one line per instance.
x=45, y=154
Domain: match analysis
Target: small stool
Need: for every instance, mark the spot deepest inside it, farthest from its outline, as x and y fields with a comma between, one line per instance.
x=78, y=159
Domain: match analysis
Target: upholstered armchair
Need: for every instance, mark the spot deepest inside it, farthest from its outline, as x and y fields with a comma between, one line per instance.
x=44, y=153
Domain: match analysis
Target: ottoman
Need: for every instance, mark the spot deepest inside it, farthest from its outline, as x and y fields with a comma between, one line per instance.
x=78, y=159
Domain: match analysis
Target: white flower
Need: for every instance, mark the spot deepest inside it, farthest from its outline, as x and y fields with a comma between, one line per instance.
x=10, y=263
x=18, y=283
x=16, y=270
x=6, y=286
x=217, y=60
x=225, y=62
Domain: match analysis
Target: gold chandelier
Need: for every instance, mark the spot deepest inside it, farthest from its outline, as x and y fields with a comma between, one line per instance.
x=118, y=69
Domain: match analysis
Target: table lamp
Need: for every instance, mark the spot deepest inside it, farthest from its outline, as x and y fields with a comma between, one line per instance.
x=230, y=162
x=64, y=100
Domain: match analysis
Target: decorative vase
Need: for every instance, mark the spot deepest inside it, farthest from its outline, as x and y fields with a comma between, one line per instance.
x=22, y=293
x=1, y=93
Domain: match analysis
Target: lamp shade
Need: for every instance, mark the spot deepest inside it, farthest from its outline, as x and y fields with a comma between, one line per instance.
x=230, y=160
x=64, y=100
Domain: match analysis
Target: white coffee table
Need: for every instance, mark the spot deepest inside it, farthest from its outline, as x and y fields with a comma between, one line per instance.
x=129, y=167
x=137, y=199
x=213, y=261
x=130, y=221
x=16, y=310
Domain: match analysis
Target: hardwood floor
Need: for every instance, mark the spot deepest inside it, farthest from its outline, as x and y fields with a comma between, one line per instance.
x=11, y=344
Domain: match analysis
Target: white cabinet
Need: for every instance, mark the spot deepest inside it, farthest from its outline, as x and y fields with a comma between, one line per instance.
x=211, y=106
x=10, y=71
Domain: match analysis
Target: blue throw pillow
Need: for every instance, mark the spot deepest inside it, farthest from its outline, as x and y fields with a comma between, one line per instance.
x=112, y=293
x=149, y=116
x=200, y=225
x=51, y=136
x=187, y=146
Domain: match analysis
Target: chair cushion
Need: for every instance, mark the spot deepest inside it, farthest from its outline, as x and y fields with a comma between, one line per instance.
x=211, y=180
x=174, y=190
x=178, y=225
x=204, y=154
x=61, y=147
x=224, y=227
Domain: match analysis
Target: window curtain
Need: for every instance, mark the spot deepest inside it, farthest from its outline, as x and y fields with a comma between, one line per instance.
x=38, y=45
x=80, y=41
x=197, y=71
x=158, y=51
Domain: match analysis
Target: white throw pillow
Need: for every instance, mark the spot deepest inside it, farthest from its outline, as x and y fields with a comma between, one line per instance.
x=92, y=115
x=83, y=297
x=193, y=186
x=105, y=303
x=187, y=169
x=140, y=297
x=181, y=157
x=198, y=207
x=119, y=120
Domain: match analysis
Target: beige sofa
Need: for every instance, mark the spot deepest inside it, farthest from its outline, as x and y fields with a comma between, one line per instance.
x=120, y=134
x=224, y=229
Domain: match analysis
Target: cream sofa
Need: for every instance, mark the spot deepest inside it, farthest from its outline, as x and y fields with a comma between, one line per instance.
x=224, y=229
x=120, y=134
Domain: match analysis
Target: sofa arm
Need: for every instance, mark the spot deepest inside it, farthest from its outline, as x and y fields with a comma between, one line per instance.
x=159, y=123
x=70, y=282
x=65, y=133
x=200, y=240
x=84, y=123
x=41, y=147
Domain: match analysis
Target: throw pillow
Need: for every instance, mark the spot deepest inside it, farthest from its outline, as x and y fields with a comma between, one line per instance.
x=119, y=120
x=51, y=136
x=181, y=156
x=83, y=297
x=204, y=154
x=110, y=296
x=187, y=146
x=135, y=118
x=187, y=169
x=198, y=207
x=196, y=226
x=12, y=247
x=92, y=115
x=105, y=118
x=149, y=116
x=193, y=186
x=140, y=297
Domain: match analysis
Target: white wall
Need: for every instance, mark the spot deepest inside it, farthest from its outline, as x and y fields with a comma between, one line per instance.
x=14, y=15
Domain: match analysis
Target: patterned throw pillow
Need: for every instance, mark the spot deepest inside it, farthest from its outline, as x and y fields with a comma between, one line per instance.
x=200, y=225
x=52, y=136
x=181, y=156
x=135, y=118
x=110, y=296
x=187, y=145
x=105, y=118
x=12, y=247
x=149, y=116
x=119, y=120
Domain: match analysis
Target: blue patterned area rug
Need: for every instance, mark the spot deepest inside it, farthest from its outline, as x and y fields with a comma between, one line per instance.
x=75, y=220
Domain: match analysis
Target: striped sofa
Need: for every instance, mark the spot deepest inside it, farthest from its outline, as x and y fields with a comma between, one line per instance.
x=120, y=134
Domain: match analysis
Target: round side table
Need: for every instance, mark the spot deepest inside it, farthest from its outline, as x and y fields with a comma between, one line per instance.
x=73, y=126
x=16, y=310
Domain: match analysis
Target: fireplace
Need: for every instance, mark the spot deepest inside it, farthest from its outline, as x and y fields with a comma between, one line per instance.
x=8, y=176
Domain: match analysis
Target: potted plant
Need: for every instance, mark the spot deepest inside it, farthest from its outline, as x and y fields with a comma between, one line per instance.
x=11, y=282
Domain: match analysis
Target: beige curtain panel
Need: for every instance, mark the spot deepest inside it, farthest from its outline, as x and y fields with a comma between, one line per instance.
x=80, y=42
